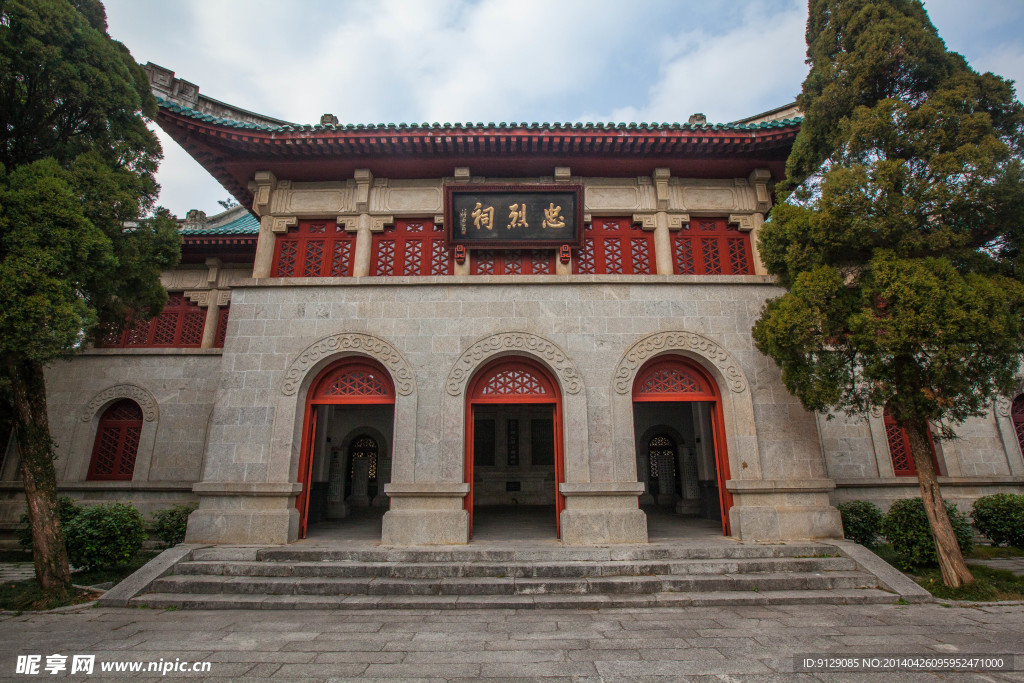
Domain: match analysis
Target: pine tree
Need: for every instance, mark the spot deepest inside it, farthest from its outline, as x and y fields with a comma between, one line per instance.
x=898, y=235
x=77, y=165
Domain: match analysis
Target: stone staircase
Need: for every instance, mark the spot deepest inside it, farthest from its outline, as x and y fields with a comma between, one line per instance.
x=297, y=577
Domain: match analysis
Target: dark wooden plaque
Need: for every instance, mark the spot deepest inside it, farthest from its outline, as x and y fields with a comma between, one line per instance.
x=514, y=216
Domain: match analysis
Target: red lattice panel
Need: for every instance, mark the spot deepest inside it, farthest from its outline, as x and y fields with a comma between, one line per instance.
x=222, y=326
x=512, y=262
x=615, y=246
x=117, y=442
x=671, y=381
x=899, y=450
x=314, y=249
x=357, y=383
x=179, y=325
x=709, y=254
x=410, y=248
x=711, y=247
x=513, y=382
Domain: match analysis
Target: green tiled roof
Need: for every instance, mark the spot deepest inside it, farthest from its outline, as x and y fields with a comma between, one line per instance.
x=246, y=224
x=192, y=113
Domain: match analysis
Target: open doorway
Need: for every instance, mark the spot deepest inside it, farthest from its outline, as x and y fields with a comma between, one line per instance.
x=514, y=451
x=346, y=451
x=680, y=445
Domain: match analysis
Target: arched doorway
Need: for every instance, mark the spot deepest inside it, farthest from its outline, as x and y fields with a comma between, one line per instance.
x=514, y=437
x=345, y=462
x=681, y=451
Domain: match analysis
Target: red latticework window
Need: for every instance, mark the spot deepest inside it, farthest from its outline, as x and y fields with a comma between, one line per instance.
x=180, y=325
x=314, y=249
x=710, y=246
x=354, y=382
x=615, y=246
x=222, y=327
x=411, y=247
x=117, y=442
x=899, y=448
x=524, y=262
x=671, y=379
x=513, y=380
x=1017, y=415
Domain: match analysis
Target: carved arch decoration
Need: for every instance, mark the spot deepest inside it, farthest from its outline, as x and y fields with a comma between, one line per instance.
x=453, y=401
x=524, y=342
x=660, y=342
x=374, y=347
x=723, y=369
x=146, y=401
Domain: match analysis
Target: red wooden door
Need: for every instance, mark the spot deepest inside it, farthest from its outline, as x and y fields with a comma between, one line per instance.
x=678, y=380
x=352, y=381
x=515, y=380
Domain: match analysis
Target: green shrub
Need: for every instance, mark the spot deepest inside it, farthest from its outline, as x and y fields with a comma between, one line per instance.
x=66, y=511
x=104, y=536
x=1000, y=517
x=906, y=527
x=170, y=524
x=862, y=521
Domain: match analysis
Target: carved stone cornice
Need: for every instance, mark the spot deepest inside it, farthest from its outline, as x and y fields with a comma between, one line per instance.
x=661, y=176
x=365, y=344
x=378, y=223
x=262, y=186
x=660, y=342
x=513, y=341
x=744, y=221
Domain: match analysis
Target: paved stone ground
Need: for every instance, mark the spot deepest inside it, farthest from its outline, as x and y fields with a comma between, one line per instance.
x=741, y=643
x=1013, y=564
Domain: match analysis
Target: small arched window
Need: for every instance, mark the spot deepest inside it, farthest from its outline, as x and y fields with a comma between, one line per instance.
x=661, y=456
x=899, y=448
x=117, y=442
x=1017, y=415
x=363, y=447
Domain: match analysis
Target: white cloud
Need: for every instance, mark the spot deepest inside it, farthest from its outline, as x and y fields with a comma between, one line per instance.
x=758, y=64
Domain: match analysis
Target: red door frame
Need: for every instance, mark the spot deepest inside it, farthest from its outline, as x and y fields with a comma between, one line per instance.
x=379, y=391
x=706, y=389
x=475, y=397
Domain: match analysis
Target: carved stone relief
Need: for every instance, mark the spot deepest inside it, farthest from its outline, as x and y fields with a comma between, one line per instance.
x=1003, y=406
x=375, y=347
x=183, y=279
x=618, y=197
x=654, y=344
x=131, y=391
x=313, y=198
x=513, y=341
x=405, y=197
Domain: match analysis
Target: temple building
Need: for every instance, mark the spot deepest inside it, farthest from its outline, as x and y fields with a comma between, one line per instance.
x=439, y=324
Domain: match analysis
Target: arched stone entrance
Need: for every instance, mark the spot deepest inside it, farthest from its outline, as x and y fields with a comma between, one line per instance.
x=513, y=397
x=673, y=394
x=356, y=394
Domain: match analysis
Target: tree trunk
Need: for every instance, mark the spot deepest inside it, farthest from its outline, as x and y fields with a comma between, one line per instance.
x=33, y=433
x=951, y=561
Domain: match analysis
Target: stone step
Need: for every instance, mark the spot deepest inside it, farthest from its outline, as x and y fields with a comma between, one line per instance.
x=439, y=570
x=586, y=601
x=476, y=554
x=664, y=583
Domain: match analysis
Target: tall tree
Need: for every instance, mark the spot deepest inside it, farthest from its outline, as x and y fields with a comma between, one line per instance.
x=898, y=235
x=77, y=165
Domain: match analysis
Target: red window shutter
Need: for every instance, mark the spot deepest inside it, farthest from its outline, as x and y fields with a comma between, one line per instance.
x=899, y=448
x=222, y=327
x=410, y=247
x=1017, y=415
x=179, y=325
x=314, y=248
x=117, y=442
x=513, y=262
x=615, y=246
x=711, y=246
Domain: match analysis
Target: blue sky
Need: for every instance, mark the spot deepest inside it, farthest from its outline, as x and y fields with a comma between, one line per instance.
x=501, y=60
